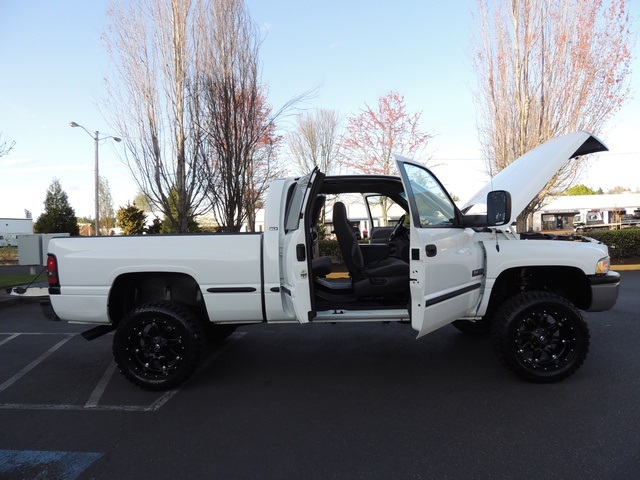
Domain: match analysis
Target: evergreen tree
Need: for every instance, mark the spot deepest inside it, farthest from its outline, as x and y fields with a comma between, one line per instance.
x=131, y=220
x=167, y=227
x=155, y=228
x=58, y=216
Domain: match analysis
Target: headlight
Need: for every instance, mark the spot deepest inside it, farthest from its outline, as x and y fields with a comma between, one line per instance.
x=603, y=266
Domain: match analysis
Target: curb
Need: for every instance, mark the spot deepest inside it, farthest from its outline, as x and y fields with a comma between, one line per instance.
x=623, y=268
x=13, y=300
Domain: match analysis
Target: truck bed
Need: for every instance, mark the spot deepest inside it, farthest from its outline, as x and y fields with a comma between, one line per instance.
x=219, y=263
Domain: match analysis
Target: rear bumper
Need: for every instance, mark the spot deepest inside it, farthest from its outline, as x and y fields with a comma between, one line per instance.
x=604, y=291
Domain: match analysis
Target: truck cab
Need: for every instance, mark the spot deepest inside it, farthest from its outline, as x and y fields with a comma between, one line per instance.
x=438, y=263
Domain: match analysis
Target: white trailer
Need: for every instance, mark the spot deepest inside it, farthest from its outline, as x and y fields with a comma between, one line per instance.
x=10, y=228
x=597, y=220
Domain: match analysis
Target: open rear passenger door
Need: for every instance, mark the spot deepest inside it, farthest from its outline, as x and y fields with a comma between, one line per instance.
x=295, y=258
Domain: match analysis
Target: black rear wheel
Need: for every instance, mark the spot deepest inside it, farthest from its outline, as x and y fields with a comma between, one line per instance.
x=158, y=345
x=540, y=336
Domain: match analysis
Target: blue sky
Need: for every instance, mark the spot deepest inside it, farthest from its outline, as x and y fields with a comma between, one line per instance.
x=53, y=65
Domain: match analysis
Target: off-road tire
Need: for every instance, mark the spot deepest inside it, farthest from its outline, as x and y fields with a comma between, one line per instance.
x=540, y=336
x=158, y=345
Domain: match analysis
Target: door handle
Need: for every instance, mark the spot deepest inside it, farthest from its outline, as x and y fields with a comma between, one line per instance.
x=431, y=250
x=301, y=254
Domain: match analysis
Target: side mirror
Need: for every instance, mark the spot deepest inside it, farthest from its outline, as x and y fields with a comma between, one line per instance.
x=498, y=208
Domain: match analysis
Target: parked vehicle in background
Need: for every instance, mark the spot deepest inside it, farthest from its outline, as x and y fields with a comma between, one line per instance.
x=593, y=220
x=10, y=228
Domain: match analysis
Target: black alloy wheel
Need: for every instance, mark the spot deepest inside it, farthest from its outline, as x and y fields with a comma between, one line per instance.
x=540, y=336
x=158, y=345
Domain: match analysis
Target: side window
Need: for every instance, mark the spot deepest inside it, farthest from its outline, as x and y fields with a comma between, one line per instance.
x=290, y=208
x=295, y=197
x=383, y=210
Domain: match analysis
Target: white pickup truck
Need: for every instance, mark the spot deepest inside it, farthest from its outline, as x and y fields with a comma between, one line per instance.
x=165, y=295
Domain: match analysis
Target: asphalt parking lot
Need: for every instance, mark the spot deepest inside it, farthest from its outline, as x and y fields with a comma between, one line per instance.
x=319, y=401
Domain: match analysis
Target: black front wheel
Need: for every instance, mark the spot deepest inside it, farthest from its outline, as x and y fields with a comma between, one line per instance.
x=540, y=336
x=158, y=345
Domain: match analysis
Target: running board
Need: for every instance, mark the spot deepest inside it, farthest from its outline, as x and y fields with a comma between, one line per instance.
x=341, y=314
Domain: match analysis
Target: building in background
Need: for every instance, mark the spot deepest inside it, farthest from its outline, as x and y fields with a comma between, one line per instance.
x=563, y=212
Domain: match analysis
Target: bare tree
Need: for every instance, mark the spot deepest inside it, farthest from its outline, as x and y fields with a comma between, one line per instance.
x=263, y=169
x=374, y=135
x=5, y=146
x=314, y=141
x=237, y=123
x=544, y=68
x=155, y=46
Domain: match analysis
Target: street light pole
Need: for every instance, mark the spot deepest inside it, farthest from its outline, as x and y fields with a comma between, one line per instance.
x=96, y=139
x=97, y=181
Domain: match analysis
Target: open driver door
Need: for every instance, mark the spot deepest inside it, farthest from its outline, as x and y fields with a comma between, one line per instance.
x=295, y=258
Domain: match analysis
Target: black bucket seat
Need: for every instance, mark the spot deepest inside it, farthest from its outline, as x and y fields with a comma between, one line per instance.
x=380, y=277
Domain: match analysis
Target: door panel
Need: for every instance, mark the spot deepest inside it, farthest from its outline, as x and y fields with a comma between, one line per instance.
x=446, y=263
x=295, y=257
x=446, y=283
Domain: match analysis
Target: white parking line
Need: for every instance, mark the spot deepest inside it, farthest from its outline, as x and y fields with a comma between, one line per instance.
x=35, y=333
x=8, y=339
x=94, y=399
x=35, y=363
x=67, y=407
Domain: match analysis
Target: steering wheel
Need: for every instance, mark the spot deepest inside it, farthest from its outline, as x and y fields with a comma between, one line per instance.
x=397, y=228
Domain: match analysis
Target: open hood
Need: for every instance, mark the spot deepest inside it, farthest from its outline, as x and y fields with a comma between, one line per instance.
x=525, y=177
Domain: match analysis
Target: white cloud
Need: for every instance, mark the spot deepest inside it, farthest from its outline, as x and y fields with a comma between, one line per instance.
x=22, y=166
x=12, y=162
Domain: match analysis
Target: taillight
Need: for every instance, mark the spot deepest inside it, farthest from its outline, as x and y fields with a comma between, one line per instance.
x=52, y=271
